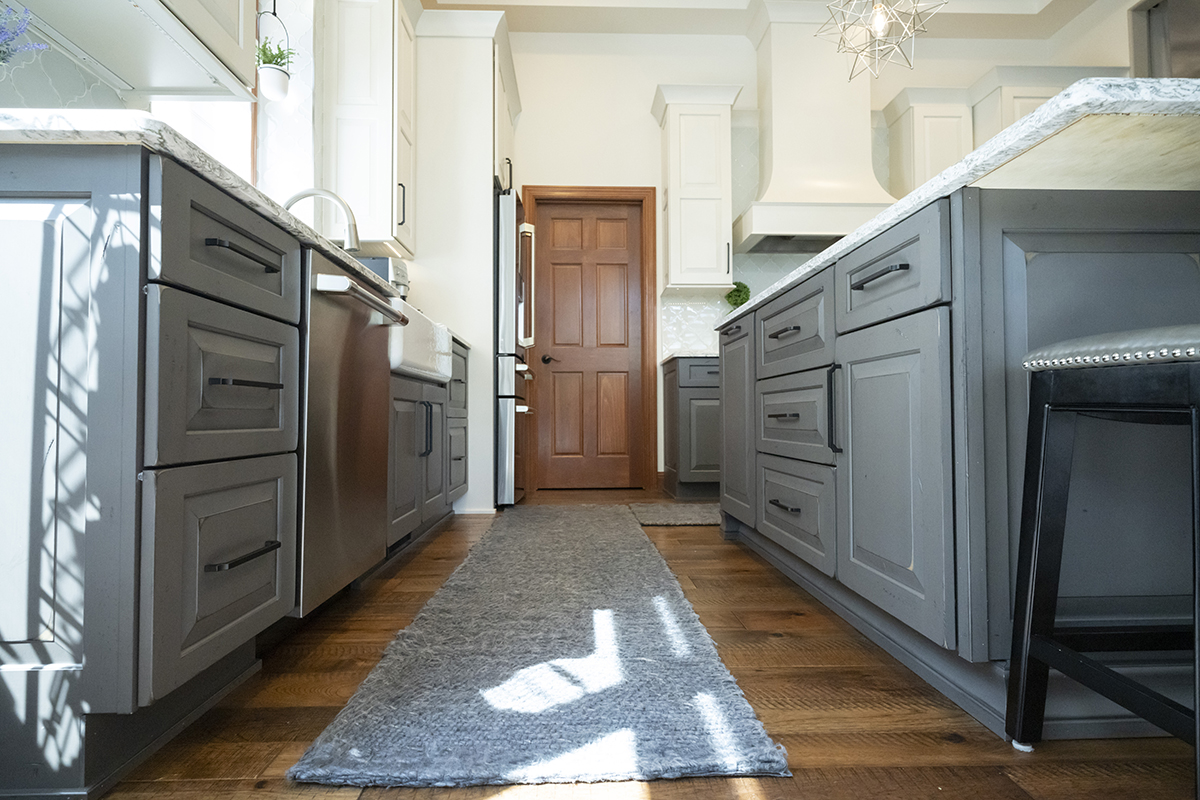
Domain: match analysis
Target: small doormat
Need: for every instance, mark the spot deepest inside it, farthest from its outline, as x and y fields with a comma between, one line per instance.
x=654, y=514
x=561, y=650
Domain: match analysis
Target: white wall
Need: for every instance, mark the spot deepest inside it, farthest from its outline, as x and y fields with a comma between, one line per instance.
x=586, y=121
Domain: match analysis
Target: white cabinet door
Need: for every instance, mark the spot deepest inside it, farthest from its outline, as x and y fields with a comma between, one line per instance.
x=696, y=146
x=404, y=203
x=226, y=27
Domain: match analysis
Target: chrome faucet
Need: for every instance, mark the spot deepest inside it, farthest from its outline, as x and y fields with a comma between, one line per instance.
x=351, y=243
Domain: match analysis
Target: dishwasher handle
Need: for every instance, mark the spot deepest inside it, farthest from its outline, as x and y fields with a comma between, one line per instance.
x=342, y=284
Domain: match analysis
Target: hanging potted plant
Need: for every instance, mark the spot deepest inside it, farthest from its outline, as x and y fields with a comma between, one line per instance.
x=273, y=63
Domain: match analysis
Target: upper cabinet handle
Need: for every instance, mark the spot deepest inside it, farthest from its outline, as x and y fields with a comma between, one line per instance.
x=731, y=331
x=728, y=258
x=874, y=276
x=403, y=205
x=241, y=251
x=784, y=331
x=240, y=382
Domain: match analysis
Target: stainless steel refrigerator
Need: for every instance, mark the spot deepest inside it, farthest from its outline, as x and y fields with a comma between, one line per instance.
x=514, y=332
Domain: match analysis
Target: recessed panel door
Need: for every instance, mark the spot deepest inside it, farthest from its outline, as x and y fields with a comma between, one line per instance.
x=589, y=349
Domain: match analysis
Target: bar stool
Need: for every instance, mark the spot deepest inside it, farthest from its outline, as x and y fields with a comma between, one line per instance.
x=1146, y=376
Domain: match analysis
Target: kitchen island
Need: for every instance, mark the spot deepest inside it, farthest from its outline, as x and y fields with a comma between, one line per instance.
x=163, y=437
x=874, y=404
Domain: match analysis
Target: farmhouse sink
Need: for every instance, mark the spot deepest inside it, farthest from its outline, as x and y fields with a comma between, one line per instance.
x=420, y=349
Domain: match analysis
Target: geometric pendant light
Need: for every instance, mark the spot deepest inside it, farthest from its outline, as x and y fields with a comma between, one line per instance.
x=877, y=32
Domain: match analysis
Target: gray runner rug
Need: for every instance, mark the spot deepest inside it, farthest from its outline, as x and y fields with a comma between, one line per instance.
x=561, y=650
x=656, y=514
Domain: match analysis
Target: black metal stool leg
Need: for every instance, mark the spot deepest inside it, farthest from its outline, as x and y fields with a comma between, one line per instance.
x=1043, y=522
x=1196, y=580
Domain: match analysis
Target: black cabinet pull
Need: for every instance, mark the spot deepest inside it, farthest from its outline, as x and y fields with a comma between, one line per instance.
x=428, y=429
x=458, y=380
x=874, y=276
x=789, y=509
x=237, y=562
x=714, y=372
x=829, y=401
x=403, y=205
x=240, y=382
x=731, y=331
x=241, y=251
x=728, y=258
x=791, y=415
x=459, y=458
x=784, y=331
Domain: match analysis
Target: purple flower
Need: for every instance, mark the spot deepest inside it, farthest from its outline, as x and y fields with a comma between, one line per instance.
x=12, y=27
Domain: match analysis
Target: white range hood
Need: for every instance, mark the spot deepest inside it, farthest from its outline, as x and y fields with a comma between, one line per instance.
x=816, y=179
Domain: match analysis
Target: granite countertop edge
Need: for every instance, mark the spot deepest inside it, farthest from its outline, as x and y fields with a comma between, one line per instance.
x=1161, y=96
x=124, y=127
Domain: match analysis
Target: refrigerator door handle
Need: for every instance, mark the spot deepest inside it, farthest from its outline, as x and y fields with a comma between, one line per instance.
x=524, y=410
x=527, y=229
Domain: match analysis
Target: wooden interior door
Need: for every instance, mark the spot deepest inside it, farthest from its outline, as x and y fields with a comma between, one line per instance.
x=588, y=361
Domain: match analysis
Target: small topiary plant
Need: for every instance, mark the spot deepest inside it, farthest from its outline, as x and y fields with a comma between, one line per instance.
x=738, y=295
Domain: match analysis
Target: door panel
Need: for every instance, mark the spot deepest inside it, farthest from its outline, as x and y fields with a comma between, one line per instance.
x=590, y=297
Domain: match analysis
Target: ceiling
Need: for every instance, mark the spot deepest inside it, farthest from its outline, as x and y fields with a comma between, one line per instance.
x=960, y=19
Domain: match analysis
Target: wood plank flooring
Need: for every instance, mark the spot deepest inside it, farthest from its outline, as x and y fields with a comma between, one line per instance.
x=856, y=723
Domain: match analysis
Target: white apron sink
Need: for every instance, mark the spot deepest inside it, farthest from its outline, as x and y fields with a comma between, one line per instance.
x=420, y=349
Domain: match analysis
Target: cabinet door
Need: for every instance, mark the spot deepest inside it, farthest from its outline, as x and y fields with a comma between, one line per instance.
x=456, y=458
x=406, y=432
x=433, y=490
x=218, y=563
x=895, y=524
x=737, y=420
x=700, y=229
x=699, y=435
x=405, y=121
x=671, y=425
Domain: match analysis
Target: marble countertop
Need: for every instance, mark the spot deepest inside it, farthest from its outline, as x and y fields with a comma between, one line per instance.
x=1098, y=133
x=92, y=126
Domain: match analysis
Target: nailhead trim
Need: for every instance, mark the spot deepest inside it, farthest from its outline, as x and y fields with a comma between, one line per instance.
x=1162, y=353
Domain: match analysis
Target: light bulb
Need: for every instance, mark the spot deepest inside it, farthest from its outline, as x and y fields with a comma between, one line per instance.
x=880, y=22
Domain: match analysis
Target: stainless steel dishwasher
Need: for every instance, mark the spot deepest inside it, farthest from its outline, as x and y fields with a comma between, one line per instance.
x=344, y=445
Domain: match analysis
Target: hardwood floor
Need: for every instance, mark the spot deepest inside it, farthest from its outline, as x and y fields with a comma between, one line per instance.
x=855, y=722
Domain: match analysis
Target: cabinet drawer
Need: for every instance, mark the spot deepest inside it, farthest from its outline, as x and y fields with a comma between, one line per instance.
x=792, y=416
x=797, y=509
x=699, y=372
x=795, y=330
x=218, y=563
x=209, y=242
x=902, y=269
x=458, y=379
x=220, y=382
x=456, y=486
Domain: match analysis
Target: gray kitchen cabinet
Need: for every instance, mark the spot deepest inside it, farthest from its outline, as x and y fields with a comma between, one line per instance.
x=418, y=473
x=901, y=270
x=405, y=470
x=692, y=424
x=738, y=496
x=113, y=630
x=456, y=458
x=795, y=331
x=895, y=502
x=219, y=555
x=797, y=509
x=792, y=416
x=457, y=400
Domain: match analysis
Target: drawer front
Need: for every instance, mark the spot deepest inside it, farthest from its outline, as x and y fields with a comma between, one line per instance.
x=795, y=330
x=220, y=382
x=209, y=242
x=218, y=563
x=699, y=372
x=792, y=416
x=458, y=379
x=456, y=485
x=903, y=269
x=797, y=509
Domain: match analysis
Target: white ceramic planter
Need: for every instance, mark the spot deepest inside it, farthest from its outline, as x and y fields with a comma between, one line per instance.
x=273, y=81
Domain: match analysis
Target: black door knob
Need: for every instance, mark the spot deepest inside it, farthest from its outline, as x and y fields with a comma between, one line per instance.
x=548, y=359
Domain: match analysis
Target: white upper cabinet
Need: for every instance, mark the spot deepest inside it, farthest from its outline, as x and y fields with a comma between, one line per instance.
x=928, y=131
x=157, y=49
x=226, y=27
x=366, y=108
x=698, y=188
